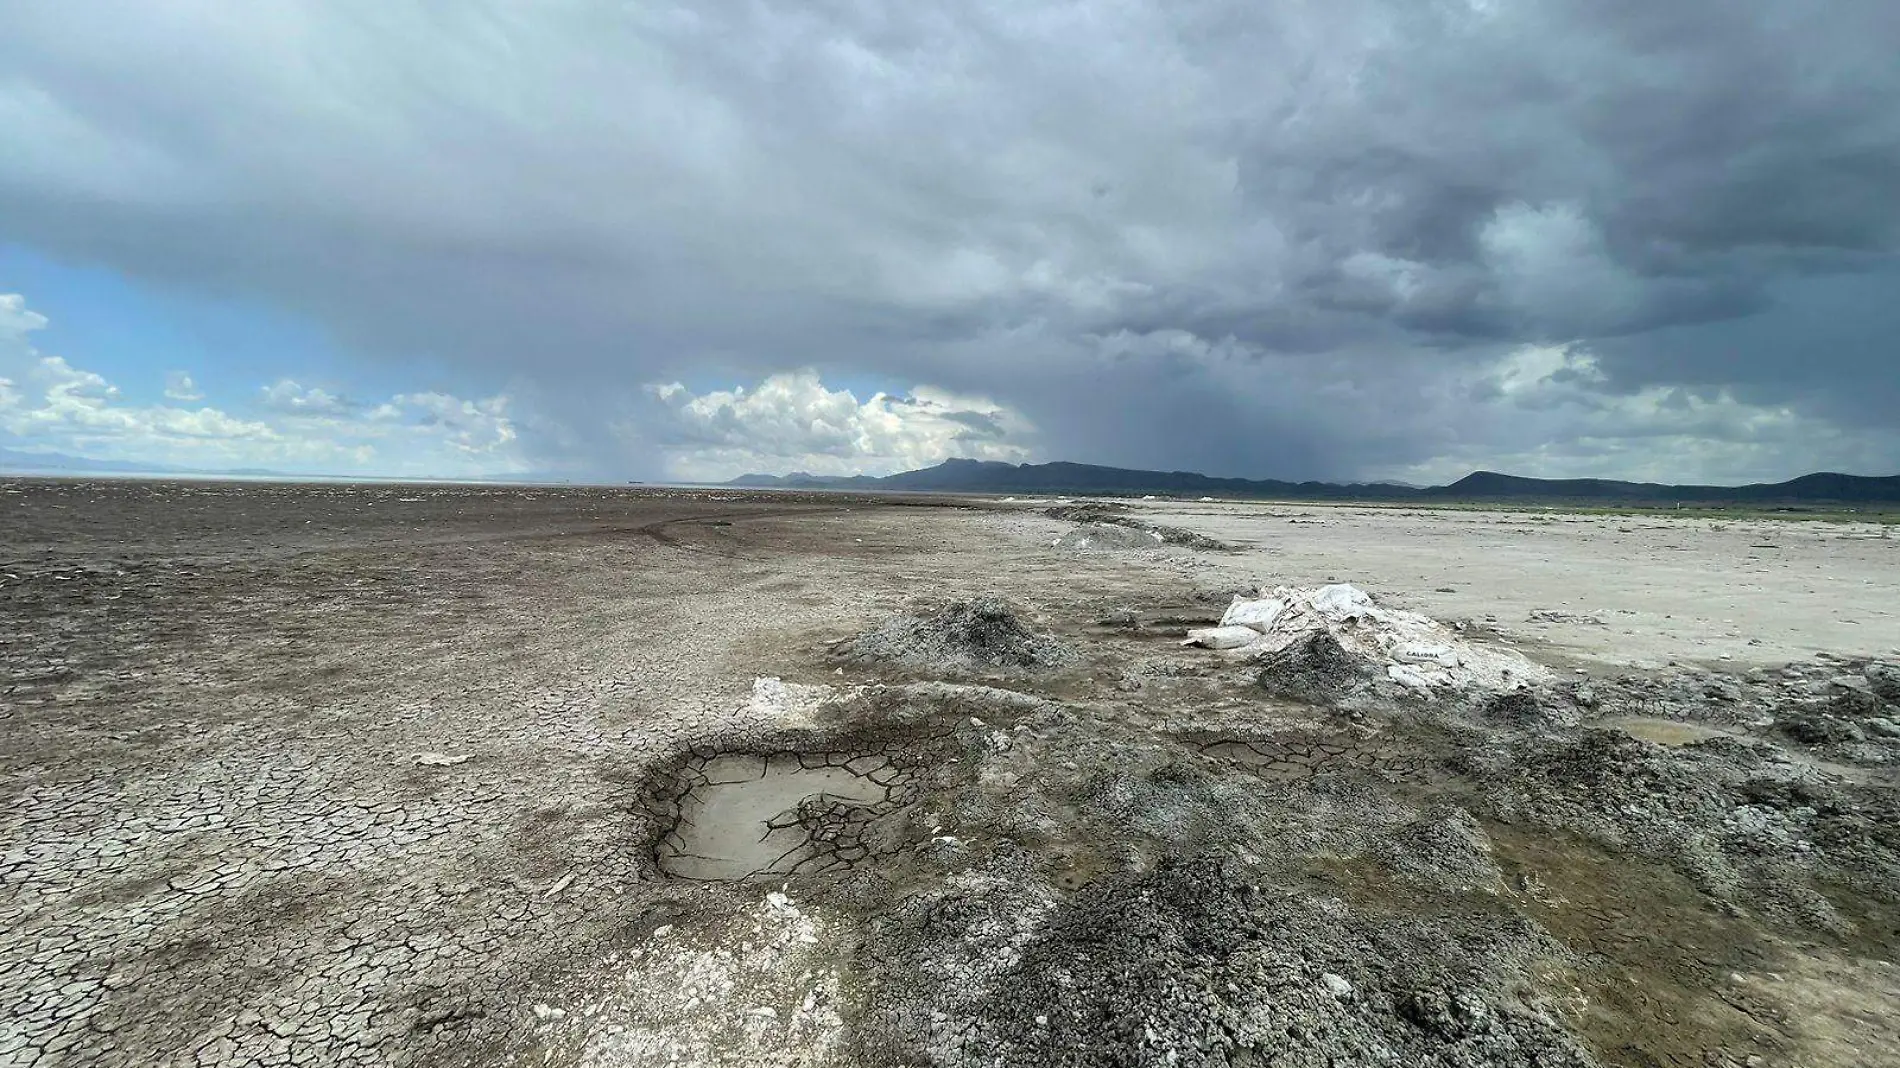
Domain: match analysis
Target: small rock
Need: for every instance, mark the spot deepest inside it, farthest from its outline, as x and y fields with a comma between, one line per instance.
x=1884, y=681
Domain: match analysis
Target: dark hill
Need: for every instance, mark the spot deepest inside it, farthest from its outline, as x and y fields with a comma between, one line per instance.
x=985, y=476
x=1819, y=488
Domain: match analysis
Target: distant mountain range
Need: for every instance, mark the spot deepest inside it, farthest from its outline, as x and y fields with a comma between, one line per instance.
x=56, y=463
x=984, y=476
x=62, y=465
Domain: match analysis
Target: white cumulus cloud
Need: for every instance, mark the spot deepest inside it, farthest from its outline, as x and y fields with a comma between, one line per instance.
x=793, y=422
x=1551, y=411
x=180, y=387
x=286, y=395
x=50, y=405
x=17, y=320
x=471, y=426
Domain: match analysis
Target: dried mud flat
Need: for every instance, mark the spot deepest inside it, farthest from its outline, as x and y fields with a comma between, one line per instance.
x=504, y=775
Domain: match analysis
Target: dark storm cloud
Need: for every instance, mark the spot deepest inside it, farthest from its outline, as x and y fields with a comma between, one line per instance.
x=1288, y=239
x=978, y=426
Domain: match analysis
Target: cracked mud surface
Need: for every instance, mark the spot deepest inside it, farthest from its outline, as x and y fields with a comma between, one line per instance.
x=746, y=815
x=1300, y=757
x=480, y=775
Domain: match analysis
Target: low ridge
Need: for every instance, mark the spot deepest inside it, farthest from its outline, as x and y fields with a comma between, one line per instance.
x=988, y=476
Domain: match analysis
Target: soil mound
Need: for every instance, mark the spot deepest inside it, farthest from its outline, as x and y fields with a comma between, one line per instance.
x=1195, y=963
x=1318, y=670
x=979, y=635
x=1746, y=822
x=1088, y=513
x=1109, y=538
x=1186, y=538
x=1091, y=516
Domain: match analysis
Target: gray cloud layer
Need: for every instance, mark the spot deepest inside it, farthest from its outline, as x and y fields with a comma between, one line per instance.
x=1292, y=239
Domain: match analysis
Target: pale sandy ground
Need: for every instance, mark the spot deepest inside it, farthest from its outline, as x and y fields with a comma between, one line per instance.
x=1693, y=590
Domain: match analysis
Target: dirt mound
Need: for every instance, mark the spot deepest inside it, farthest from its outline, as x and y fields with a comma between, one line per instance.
x=1318, y=670
x=1884, y=680
x=1445, y=846
x=1827, y=707
x=1186, y=538
x=1744, y=821
x=1109, y=538
x=1518, y=708
x=1099, y=515
x=969, y=636
x=1088, y=513
x=1196, y=963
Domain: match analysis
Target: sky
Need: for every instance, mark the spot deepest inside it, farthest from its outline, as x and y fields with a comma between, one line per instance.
x=1340, y=239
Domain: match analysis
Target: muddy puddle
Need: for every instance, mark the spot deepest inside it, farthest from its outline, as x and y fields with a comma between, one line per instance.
x=746, y=815
x=1670, y=732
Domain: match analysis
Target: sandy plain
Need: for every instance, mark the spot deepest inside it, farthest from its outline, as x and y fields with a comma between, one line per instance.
x=1753, y=591
x=312, y=774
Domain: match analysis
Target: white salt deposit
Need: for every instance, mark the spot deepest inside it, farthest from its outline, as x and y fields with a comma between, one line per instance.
x=761, y=991
x=786, y=703
x=1223, y=637
x=1415, y=651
